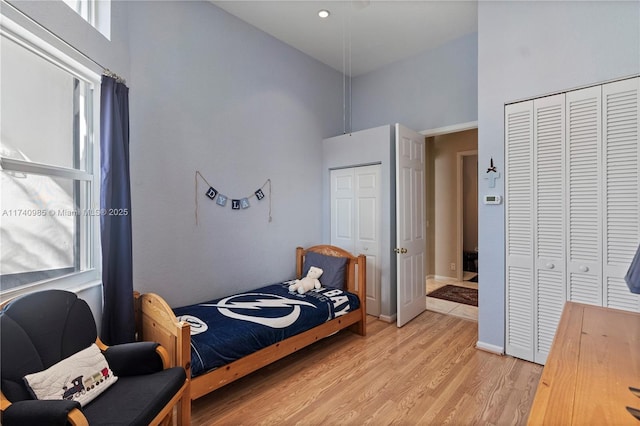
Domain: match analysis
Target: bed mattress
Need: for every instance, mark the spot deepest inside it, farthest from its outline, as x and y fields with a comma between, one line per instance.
x=227, y=329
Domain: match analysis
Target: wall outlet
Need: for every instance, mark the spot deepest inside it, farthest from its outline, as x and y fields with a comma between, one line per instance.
x=452, y=266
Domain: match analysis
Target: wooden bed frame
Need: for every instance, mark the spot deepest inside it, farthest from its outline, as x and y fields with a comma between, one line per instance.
x=155, y=321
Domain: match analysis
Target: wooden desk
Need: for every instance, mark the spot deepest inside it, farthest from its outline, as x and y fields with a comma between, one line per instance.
x=594, y=359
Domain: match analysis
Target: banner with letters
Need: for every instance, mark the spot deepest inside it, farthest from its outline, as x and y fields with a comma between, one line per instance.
x=236, y=203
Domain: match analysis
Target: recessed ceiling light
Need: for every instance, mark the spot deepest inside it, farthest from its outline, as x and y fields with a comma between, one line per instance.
x=324, y=13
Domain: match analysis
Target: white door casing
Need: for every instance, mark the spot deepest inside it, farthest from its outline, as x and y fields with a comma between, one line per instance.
x=355, y=221
x=410, y=226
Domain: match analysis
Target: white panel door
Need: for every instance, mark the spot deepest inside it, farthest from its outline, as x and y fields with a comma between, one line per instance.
x=355, y=221
x=583, y=195
x=368, y=230
x=343, y=193
x=621, y=189
x=519, y=229
x=410, y=225
x=549, y=243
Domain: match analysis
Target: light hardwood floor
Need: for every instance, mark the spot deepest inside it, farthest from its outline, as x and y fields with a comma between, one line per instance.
x=425, y=373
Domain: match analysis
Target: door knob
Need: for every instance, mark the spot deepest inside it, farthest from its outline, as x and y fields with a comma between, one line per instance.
x=400, y=250
x=584, y=268
x=550, y=265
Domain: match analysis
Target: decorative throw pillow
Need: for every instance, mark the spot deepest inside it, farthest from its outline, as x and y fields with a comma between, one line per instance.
x=334, y=268
x=80, y=377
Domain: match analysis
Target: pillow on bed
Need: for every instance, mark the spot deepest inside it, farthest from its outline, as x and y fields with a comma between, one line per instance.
x=80, y=377
x=335, y=269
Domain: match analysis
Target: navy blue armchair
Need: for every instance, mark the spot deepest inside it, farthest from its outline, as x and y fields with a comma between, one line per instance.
x=40, y=329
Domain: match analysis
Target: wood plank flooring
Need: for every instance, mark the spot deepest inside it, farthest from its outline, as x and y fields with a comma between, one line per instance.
x=425, y=373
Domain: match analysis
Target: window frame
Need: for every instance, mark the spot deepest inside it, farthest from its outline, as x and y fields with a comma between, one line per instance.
x=90, y=250
x=89, y=14
x=97, y=14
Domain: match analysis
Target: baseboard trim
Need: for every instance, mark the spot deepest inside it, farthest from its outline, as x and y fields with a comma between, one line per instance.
x=443, y=278
x=498, y=350
x=387, y=318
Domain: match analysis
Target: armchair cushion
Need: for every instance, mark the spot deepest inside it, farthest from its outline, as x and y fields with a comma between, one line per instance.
x=31, y=412
x=132, y=359
x=135, y=400
x=80, y=377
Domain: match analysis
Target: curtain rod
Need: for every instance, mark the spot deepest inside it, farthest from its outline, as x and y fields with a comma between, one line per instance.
x=105, y=71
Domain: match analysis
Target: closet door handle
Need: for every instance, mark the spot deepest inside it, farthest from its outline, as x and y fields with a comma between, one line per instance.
x=550, y=265
x=584, y=268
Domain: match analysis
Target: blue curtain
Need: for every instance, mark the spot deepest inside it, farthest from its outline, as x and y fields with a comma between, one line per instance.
x=118, y=324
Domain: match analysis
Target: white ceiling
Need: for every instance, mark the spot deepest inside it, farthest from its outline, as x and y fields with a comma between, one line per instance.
x=379, y=32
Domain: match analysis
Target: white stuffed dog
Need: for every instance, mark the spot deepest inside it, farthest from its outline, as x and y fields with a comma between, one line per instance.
x=309, y=282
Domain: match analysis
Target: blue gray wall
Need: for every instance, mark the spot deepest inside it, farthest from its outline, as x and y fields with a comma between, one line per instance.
x=528, y=49
x=436, y=88
x=212, y=93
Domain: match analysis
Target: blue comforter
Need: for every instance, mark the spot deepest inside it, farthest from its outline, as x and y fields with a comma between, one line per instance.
x=227, y=329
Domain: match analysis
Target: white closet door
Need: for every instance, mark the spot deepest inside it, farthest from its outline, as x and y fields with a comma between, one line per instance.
x=368, y=224
x=572, y=208
x=519, y=229
x=343, y=208
x=621, y=183
x=355, y=221
x=549, y=256
x=583, y=195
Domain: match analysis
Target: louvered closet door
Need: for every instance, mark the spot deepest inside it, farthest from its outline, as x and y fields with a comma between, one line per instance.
x=549, y=267
x=519, y=229
x=621, y=131
x=583, y=195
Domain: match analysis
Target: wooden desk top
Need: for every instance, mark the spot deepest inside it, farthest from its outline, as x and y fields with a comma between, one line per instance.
x=594, y=359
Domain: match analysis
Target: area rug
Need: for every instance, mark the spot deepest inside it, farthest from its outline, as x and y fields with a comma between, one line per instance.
x=453, y=293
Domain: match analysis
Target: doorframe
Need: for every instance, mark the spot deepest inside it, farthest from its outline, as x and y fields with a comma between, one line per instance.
x=438, y=131
x=459, y=209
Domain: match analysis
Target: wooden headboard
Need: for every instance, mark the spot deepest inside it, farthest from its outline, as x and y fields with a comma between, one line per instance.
x=354, y=280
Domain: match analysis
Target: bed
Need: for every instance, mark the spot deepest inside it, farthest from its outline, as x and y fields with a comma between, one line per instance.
x=156, y=321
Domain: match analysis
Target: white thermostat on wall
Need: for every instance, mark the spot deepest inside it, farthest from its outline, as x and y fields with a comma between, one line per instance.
x=492, y=199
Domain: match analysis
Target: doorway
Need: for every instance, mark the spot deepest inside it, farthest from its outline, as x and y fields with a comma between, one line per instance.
x=446, y=195
x=467, y=210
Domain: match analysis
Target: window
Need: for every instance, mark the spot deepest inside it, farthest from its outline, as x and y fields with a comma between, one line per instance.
x=95, y=12
x=84, y=8
x=49, y=203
